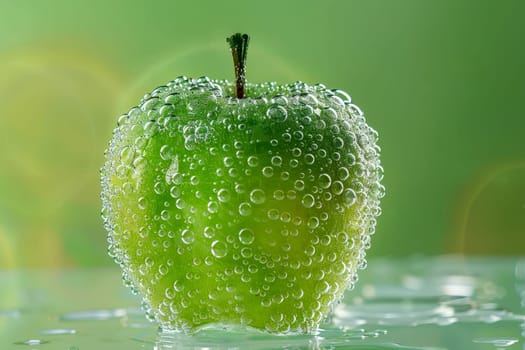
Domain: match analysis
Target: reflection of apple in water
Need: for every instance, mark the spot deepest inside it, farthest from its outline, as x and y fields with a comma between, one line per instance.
x=250, y=204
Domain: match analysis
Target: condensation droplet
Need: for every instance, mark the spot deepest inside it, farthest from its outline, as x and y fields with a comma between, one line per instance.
x=325, y=180
x=276, y=161
x=273, y=214
x=257, y=196
x=252, y=161
x=343, y=173
x=278, y=194
x=338, y=187
x=223, y=195
x=308, y=201
x=277, y=113
x=313, y=222
x=187, y=236
x=246, y=236
x=142, y=202
x=349, y=197
x=219, y=249
x=245, y=209
x=267, y=171
x=213, y=207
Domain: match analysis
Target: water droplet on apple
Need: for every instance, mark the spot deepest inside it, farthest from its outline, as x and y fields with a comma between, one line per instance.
x=187, y=236
x=313, y=222
x=285, y=216
x=278, y=194
x=165, y=215
x=349, y=197
x=277, y=113
x=223, y=195
x=257, y=196
x=245, y=209
x=246, y=236
x=127, y=154
x=299, y=185
x=252, y=161
x=325, y=180
x=273, y=214
x=308, y=200
x=142, y=202
x=337, y=187
x=228, y=161
x=309, y=159
x=267, y=171
x=209, y=232
x=343, y=173
x=219, y=249
x=277, y=161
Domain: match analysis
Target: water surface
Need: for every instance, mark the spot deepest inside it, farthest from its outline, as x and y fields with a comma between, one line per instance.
x=413, y=303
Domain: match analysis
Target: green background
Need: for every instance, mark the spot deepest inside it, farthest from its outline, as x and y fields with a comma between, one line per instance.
x=443, y=82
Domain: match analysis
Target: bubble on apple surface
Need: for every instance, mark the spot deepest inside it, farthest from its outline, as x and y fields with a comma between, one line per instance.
x=308, y=200
x=257, y=196
x=245, y=209
x=325, y=180
x=246, y=236
x=219, y=249
x=187, y=236
x=223, y=195
x=267, y=171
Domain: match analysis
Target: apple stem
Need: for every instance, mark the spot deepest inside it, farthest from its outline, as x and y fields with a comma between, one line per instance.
x=239, y=46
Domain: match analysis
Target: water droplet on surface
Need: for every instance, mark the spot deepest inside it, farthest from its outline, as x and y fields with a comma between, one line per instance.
x=142, y=202
x=228, y=162
x=349, y=197
x=165, y=215
x=245, y=209
x=325, y=180
x=308, y=201
x=257, y=196
x=166, y=152
x=246, y=236
x=209, y=232
x=337, y=187
x=267, y=171
x=187, y=236
x=309, y=159
x=277, y=113
x=296, y=152
x=223, y=195
x=276, y=161
x=127, y=154
x=299, y=185
x=219, y=249
x=313, y=222
x=213, y=207
x=252, y=161
x=278, y=194
x=273, y=214
x=345, y=98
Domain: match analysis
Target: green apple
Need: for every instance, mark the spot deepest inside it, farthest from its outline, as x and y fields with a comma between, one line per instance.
x=241, y=204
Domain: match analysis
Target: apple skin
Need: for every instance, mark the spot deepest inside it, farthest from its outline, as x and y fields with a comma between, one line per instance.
x=254, y=212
